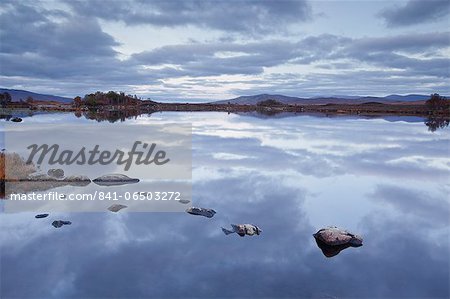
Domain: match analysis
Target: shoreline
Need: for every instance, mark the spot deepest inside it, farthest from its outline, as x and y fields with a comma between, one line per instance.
x=365, y=109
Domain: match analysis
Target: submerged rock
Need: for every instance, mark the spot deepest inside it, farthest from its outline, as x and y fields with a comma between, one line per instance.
x=56, y=173
x=333, y=240
x=201, y=212
x=78, y=180
x=41, y=216
x=330, y=251
x=243, y=229
x=40, y=176
x=16, y=119
x=184, y=201
x=117, y=207
x=114, y=180
x=59, y=223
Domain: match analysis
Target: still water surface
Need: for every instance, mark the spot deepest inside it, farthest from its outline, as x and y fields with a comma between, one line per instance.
x=385, y=179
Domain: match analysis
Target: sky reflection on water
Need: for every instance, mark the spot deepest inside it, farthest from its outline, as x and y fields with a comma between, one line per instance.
x=387, y=181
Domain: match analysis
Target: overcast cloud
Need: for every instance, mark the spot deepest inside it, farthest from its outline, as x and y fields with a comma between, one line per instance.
x=203, y=50
x=249, y=17
x=416, y=12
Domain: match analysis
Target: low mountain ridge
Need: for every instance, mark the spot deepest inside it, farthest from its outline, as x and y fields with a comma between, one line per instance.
x=390, y=99
x=17, y=95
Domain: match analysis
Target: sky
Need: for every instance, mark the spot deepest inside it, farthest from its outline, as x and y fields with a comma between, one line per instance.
x=214, y=50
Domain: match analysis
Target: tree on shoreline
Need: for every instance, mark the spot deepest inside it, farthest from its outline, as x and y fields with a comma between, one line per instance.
x=110, y=98
x=437, y=103
x=5, y=99
x=77, y=102
x=269, y=103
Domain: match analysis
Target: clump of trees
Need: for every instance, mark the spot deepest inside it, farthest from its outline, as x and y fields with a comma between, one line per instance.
x=437, y=103
x=110, y=98
x=269, y=103
x=437, y=122
x=5, y=99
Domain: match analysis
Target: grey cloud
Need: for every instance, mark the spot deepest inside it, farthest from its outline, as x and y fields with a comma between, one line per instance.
x=415, y=12
x=204, y=60
x=434, y=211
x=345, y=81
x=413, y=66
x=26, y=29
x=45, y=46
x=321, y=47
x=40, y=47
x=250, y=58
x=262, y=53
x=37, y=46
x=249, y=17
x=407, y=43
x=304, y=161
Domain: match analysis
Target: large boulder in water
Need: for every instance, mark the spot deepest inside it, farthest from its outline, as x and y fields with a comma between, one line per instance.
x=333, y=240
x=334, y=236
x=114, y=180
x=78, y=180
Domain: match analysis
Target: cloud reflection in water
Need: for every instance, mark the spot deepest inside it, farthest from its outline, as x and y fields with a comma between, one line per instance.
x=289, y=176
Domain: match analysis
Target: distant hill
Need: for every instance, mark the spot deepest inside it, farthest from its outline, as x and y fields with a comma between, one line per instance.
x=390, y=99
x=17, y=95
x=253, y=100
x=408, y=98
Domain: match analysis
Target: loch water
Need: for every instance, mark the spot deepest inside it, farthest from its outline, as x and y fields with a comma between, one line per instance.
x=384, y=178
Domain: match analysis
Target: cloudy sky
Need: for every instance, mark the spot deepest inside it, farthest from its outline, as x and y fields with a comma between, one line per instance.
x=207, y=50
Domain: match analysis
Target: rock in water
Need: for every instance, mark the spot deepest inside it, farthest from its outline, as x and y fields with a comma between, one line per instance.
x=39, y=176
x=184, y=201
x=56, y=173
x=78, y=180
x=333, y=240
x=16, y=119
x=243, y=229
x=117, y=207
x=333, y=236
x=59, y=223
x=114, y=180
x=201, y=212
x=41, y=216
x=330, y=251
